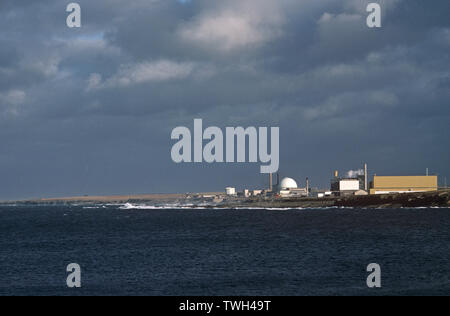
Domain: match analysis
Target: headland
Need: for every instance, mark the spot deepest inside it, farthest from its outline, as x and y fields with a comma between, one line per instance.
x=440, y=198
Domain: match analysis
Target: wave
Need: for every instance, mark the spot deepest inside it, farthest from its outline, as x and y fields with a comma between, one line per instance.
x=130, y=206
x=201, y=206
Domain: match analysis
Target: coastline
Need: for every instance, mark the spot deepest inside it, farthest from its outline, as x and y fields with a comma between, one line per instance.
x=439, y=198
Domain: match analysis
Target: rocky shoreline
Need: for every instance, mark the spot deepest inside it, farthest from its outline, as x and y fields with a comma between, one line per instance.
x=428, y=199
x=218, y=200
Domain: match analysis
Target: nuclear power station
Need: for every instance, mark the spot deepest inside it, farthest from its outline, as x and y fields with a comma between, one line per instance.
x=354, y=182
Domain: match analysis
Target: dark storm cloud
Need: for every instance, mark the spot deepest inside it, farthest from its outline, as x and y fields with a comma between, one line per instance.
x=90, y=110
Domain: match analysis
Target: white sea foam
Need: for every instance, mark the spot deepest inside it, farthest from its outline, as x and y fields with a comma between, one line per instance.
x=189, y=206
x=129, y=206
x=94, y=207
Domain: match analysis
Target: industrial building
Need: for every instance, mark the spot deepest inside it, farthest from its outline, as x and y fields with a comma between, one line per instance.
x=355, y=182
x=289, y=188
x=341, y=185
x=407, y=184
x=230, y=191
x=350, y=185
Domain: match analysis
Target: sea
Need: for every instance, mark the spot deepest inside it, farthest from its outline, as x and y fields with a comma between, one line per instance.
x=185, y=251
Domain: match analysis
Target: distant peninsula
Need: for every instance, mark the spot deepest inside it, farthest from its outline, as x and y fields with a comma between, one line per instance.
x=439, y=198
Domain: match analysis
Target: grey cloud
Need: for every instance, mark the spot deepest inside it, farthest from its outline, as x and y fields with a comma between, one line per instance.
x=90, y=110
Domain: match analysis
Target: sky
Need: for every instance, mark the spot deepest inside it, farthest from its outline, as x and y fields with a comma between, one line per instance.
x=90, y=110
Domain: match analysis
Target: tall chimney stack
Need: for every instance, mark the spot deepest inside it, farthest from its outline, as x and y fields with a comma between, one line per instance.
x=270, y=182
x=307, y=187
x=365, y=178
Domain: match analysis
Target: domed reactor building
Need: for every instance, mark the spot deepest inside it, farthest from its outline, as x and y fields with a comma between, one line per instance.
x=288, y=187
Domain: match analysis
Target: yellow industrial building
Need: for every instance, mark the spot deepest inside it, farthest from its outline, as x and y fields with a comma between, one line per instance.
x=410, y=184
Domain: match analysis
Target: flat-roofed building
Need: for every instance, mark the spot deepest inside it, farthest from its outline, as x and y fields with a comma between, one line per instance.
x=343, y=187
x=408, y=184
x=230, y=191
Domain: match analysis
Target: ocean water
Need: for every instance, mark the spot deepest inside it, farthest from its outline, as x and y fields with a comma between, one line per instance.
x=137, y=250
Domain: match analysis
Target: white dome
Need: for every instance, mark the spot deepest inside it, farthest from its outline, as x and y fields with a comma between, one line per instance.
x=288, y=183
